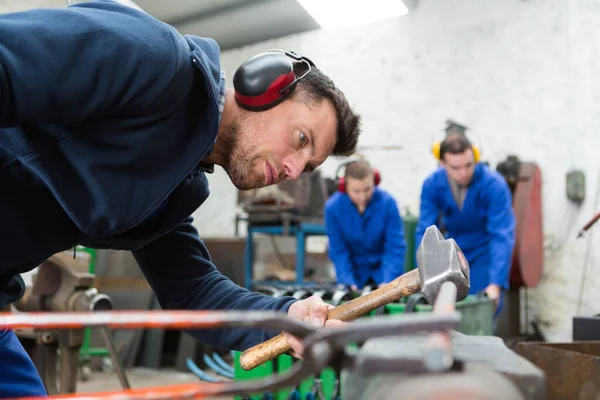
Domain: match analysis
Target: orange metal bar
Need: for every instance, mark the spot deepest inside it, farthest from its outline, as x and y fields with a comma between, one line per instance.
x=171, y=392
x=115, y=319
x=178, y=319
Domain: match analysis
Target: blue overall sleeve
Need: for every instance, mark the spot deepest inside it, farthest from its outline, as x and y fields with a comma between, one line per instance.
x=395, y=246
x=339, y=252
x=19, y=377
x=64, y=65
x=501, y=229
x=428, y=211
x=179, y=270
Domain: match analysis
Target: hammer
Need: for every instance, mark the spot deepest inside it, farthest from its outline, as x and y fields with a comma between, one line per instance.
x=440, y=260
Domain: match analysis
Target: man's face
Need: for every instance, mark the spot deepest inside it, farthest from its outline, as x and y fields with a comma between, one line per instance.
x=360, y=191
x=280, y=143
x=460, y=167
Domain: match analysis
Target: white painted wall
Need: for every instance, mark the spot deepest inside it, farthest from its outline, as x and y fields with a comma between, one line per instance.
x=7, y=6
x=521, y=74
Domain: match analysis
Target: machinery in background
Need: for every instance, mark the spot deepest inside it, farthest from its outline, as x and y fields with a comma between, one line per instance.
x=286, y=204
x=62, y=284
x=289, y=208
x=525, y=182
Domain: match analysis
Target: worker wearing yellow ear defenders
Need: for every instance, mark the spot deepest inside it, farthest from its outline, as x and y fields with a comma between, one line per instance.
x=453, y=128
x=473, y=204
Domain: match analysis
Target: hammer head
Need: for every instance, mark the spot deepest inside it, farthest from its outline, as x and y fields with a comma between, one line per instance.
x=441, y=260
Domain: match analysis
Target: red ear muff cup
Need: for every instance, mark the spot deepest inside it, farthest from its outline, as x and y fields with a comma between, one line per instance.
x=342, y=185
x=269, y=99
x=377, y=177
x=258, y=82
x=342, y=181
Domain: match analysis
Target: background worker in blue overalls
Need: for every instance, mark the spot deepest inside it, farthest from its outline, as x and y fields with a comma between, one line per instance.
x=472, y=204
x=365, y=231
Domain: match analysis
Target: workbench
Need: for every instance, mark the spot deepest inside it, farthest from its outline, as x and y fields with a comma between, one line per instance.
x=300, y=230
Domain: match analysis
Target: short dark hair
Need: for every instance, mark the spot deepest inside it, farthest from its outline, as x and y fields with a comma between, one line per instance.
x=316, y=87
x=454, y=143
x=359, y=169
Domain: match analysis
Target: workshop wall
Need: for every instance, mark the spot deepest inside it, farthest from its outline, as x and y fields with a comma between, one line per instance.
x=7, y=6
x=521, y=74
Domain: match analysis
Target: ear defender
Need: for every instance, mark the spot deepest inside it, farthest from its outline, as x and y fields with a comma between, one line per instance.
x=342, y=185
x=476, y=153
x=267, y=79
x=377, y=177
x=341, y=181
x=435, y=149
x=454, y=128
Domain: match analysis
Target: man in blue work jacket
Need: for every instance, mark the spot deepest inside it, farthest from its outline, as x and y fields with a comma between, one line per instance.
x=109, y=122
x=472, y=204
x=365, y=231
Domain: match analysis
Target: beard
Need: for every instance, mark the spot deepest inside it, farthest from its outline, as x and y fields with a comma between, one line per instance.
x=242, y=158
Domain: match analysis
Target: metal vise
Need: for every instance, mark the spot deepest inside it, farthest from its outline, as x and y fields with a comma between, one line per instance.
x=61, y=284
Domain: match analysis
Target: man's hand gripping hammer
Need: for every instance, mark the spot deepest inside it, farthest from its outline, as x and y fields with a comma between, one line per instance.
x=439, y=260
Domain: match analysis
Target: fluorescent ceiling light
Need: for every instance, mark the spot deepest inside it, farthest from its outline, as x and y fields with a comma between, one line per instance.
x=336, y=14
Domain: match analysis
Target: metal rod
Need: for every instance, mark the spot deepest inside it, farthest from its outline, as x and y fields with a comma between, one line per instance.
x=115, y=358
x=175, y=319
x=69, y=357
x=438, y=346
x=588, y=225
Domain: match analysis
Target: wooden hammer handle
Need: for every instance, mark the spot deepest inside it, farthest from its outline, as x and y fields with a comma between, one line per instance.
x=403, y=286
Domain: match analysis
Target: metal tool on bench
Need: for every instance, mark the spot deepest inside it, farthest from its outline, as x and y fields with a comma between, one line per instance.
x=265, y=289
x=323, y=347
x=297, y=291
x=440, y=260
x=342, y=294
x=63, y=284
x=301, y=294
x=323, y=293
x=281, y=290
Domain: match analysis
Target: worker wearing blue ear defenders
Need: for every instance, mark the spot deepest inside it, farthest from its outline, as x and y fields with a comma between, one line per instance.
x=365, y=230
x=473, y=205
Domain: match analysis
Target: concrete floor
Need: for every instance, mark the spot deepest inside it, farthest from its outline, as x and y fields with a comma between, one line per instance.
x=138, y=378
